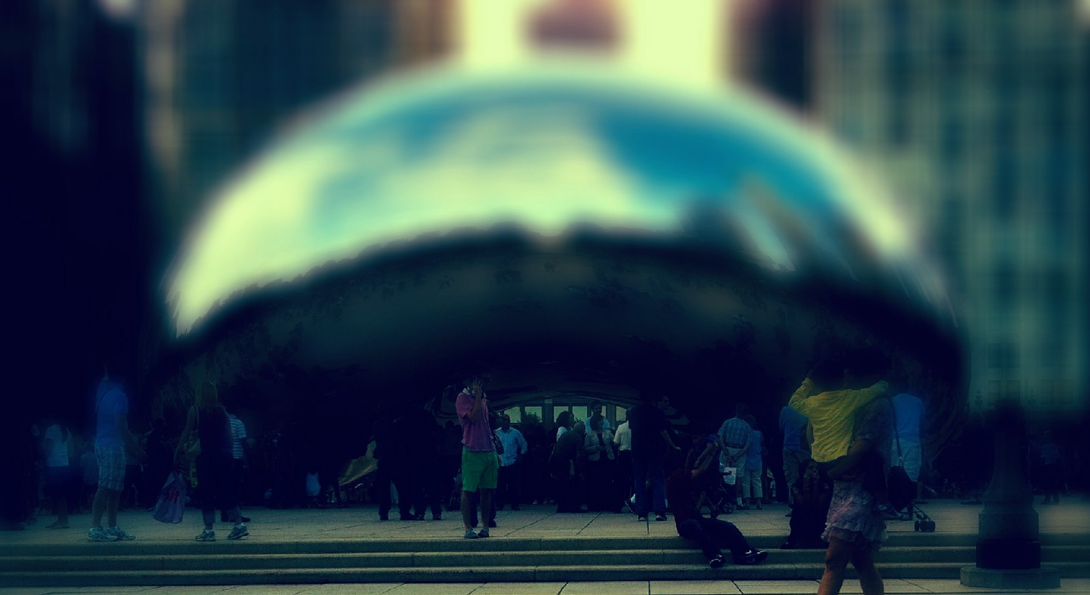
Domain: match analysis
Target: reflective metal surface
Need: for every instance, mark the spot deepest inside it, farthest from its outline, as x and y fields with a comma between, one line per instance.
x=586, y=234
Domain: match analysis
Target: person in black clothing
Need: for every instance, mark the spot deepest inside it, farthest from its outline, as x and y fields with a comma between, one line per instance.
x=274, y=446
x=417, y=444
x=408, y=469
x=327, y=448
x=535, y=466
x=811, y=495
x=435, y=479
x=1050, y=467
x=449, y=466
x=650, y=443
x=207, y=421
x=386, y=455
x=709, y=534
x=562, y=468
x=600, y=467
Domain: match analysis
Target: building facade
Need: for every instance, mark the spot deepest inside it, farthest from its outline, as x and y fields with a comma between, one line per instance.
x=975, y=111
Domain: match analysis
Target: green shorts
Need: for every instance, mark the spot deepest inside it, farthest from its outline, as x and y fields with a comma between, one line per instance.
x=479, y=470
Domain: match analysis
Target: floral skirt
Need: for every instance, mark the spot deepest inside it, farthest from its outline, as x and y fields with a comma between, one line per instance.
x=854, y=517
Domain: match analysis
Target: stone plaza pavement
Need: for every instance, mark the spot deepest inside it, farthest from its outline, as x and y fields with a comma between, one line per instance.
x=763, y=527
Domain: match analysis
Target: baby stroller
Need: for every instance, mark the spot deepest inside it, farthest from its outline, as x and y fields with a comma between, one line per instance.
x=902, y=491
x=923, y=523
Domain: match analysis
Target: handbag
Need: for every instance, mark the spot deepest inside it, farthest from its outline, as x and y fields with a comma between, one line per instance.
x=497, y=443
x=193, y=447
x=171, y=504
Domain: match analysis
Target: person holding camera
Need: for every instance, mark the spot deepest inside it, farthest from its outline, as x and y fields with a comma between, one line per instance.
x=709, y=534
x=480, y=465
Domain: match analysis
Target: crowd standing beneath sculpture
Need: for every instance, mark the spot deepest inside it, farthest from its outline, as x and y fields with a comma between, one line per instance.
x=839, y=433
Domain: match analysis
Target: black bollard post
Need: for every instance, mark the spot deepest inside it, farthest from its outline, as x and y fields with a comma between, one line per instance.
x=1008, y=548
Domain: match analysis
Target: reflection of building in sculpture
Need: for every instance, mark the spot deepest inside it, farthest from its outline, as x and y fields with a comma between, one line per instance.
x=575, y=23
x=978, y=111
x=424, y=29
x=770, y=48
x=221, y=78
x=75, y=82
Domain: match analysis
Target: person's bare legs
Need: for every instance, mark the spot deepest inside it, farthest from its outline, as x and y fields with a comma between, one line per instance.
x=113, y=499
x=486, y=506
x=61, y=503
x=869, y=579
x=837, y=556
x=466, y=512
x=98, y=506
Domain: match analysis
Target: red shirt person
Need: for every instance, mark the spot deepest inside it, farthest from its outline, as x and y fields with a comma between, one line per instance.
x=480, y=465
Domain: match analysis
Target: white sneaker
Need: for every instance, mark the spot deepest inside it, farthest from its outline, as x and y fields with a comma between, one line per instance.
x=238, y=532
x=99, y=534
x=118, y=535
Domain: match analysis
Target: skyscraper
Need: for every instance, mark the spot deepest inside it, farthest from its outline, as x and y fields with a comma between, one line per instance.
x=771, y=43
x=71, y=181
x=976, y=112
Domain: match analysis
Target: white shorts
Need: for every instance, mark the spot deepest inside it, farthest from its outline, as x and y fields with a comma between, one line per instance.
x=912, y=456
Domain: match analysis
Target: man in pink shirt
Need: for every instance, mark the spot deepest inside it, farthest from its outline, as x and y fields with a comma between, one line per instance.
x=480, y=465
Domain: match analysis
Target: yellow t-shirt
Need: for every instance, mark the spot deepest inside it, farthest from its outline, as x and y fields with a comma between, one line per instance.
x=832, y=415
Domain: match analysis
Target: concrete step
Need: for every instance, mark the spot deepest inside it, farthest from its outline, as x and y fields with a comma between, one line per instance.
x=480, y=574
x=505, y=557
x=209, y=561
x=500, y=542
x=101, y=563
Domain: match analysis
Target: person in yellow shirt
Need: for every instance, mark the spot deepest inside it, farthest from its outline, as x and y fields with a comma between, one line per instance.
x=834, y=397
x=831, y=410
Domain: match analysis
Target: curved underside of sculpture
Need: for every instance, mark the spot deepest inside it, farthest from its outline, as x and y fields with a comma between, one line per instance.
x=601, y=320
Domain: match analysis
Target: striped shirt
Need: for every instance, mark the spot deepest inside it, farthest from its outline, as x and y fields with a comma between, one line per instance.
x=238, y=434
x=734, y=432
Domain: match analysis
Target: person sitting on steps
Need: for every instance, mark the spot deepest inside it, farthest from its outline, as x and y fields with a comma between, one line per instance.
x=709, y=534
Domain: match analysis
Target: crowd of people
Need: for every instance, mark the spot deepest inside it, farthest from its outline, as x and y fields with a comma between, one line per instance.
x=837, y=444
x=839, y=433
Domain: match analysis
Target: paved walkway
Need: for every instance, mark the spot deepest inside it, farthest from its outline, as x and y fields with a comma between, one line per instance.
x=1071, y=517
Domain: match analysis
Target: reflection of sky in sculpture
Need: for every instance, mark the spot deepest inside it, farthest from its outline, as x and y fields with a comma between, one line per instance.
x=545, y=150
